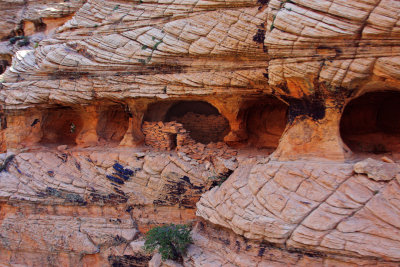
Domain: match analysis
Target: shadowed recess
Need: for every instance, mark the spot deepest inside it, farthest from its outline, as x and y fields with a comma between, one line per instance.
x=370, y=123
x=61, y=126
x=265, y=122
x=203, y=121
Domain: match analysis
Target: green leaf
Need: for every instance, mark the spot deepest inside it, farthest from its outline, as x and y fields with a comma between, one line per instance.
x=171, y=240
x=116, y=7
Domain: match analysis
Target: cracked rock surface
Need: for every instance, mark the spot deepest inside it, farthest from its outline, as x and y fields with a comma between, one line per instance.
x=319, y=206
x=304, y=171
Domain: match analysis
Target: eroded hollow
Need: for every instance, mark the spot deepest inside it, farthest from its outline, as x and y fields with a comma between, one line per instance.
x=203, y=121
x=61, y=126
x=370, y=123
x=265, y=122
x=113, y=124
x=4, y=63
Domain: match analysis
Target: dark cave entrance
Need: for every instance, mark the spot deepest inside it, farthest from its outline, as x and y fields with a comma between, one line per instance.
x=4, y=63
x=61, y=126
x=202, y=120
x=371, y=123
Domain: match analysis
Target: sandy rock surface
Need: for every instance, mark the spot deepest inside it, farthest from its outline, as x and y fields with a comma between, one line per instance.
x=295, y=104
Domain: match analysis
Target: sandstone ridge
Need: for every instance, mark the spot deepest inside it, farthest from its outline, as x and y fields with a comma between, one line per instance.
x=269, y=126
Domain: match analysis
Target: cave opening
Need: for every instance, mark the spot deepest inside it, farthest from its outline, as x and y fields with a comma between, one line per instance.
x=370, y=123
x=202, y=120
x=4, y=63
x=61, y=126
x=265, y=121
x=183, y=124
x=113, y=124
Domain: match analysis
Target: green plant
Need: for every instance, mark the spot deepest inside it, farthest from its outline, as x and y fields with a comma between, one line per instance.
x=171, y=240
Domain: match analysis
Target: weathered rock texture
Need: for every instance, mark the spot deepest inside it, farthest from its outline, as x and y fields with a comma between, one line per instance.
x=295, y=103
x=318, y=206
x=69, y=204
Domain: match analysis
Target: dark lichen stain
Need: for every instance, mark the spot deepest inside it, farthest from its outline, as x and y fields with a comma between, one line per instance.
x=263, y=2
x=226, y=242
x=78, y=166
x=123, y=174
x=261, y=251
x=69, y=197
x=237, y=243
x=117, y=221
x=119, y=191
x=180, y=192
x=115, y=179
x=7, y=161
x=107, y=199
x=311, y=107
x=35, y=122
x=259, y=36
x=137, y=260
x=187, y=179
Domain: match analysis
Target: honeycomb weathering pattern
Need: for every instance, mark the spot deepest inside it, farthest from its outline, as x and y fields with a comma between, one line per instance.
x=313, y=55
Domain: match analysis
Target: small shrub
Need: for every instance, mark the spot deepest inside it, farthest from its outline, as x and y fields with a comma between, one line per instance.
x=170, y=240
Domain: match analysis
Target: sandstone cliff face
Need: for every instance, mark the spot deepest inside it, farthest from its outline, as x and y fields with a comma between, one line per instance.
x=120, y=115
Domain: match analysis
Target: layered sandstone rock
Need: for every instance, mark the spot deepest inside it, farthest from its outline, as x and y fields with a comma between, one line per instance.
x=316, y=206
x=298, y=90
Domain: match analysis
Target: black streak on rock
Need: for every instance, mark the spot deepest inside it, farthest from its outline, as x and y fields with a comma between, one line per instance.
x=115, y=179
x=314, y=108
x=34, y=122
x=136, y=260
x=263, y=2
x=260, y=36
x=4, y=166
x=120, y=175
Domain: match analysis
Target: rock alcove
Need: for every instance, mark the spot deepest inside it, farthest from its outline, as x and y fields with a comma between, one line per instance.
x=265, y=122
x=60, y=126
x=370, y=123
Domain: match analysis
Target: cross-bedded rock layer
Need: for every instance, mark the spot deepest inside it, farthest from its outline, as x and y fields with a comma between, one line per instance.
x=306, y=78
